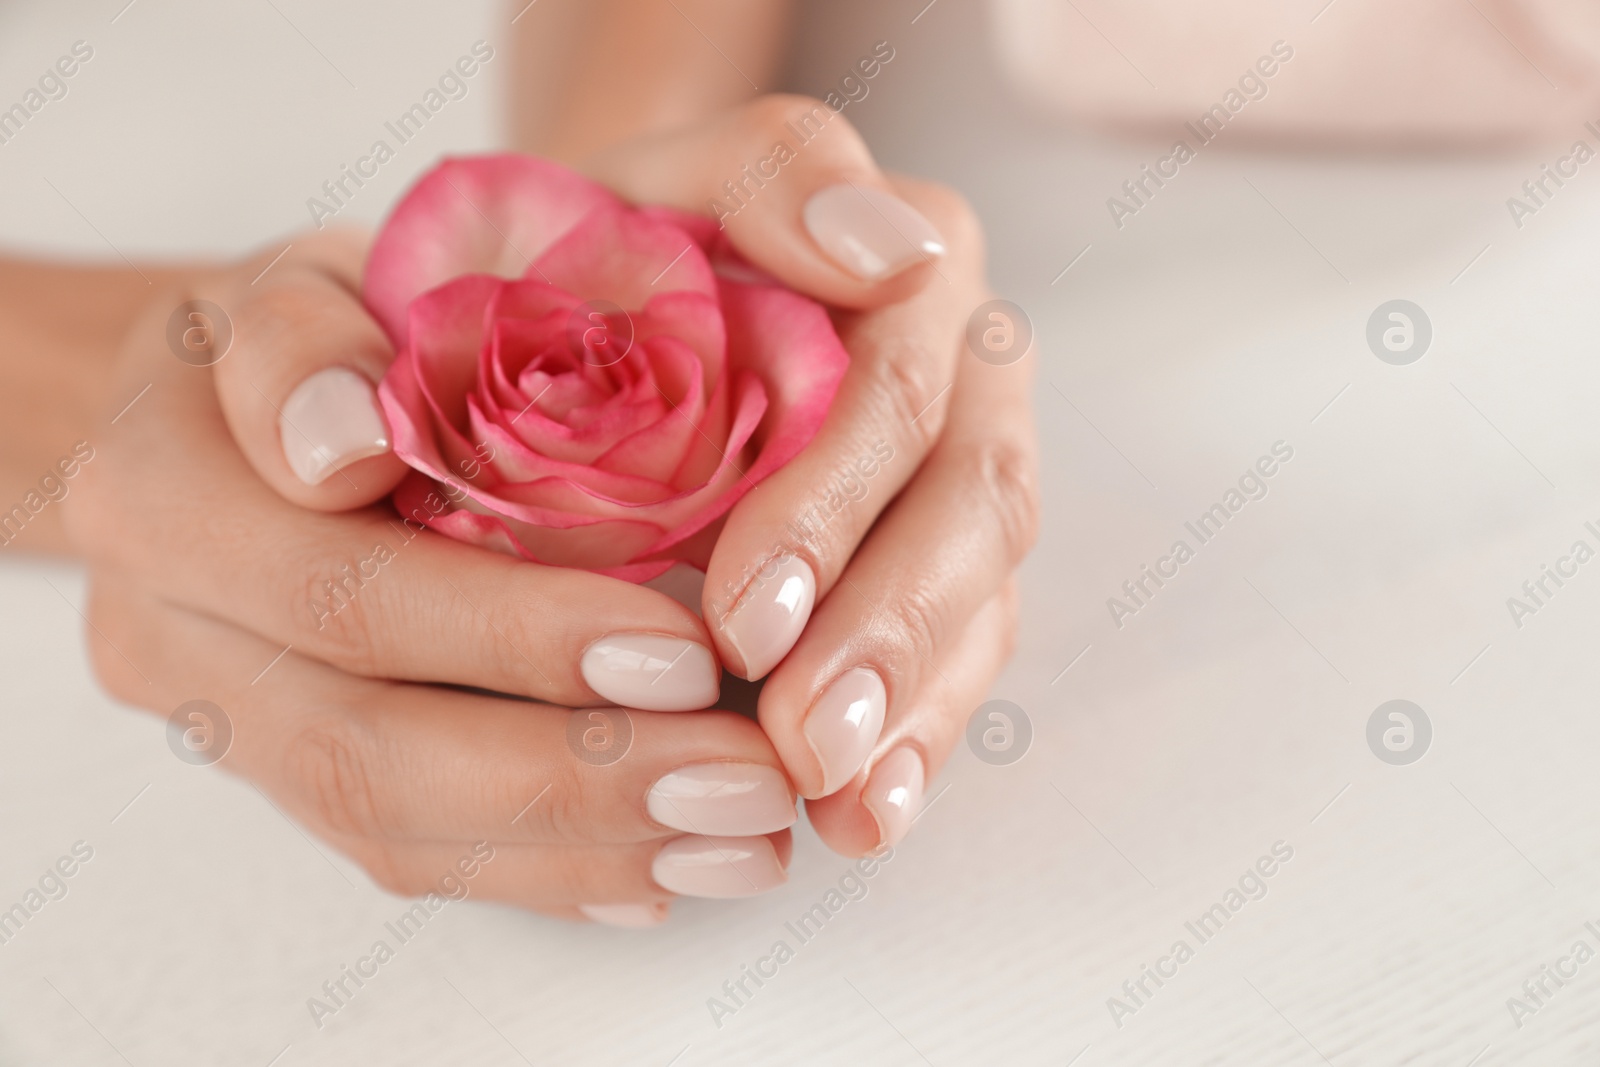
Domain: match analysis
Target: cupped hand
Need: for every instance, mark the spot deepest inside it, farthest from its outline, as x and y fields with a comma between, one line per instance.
x=314, y=617
x=870, y=580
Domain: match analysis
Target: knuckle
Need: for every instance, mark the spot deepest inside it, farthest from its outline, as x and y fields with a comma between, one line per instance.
x=331, y=762
x=514, y=641
x=774, y=115
x=567, y=812
x=1004, y=476
x=281, y=305
x=902, y=385
x=920, y=618
x=331, y=619
x=353, y=616
x=261, y=319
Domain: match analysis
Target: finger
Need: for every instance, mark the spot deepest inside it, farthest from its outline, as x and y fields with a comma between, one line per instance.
x=616, y=884
x=385, y=761
x=785, y=545
x=798, y=194
x=369, y=591
x=967, y=520
x=298, y=385
x=561, y=880
x=885, y=798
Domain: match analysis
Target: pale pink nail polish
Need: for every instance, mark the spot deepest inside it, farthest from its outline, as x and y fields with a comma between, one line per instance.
x=894, y=794
x=330, y=421
x=725, y=799
x=765, y=623
x=870, y=232
x=843, y=725
x=719, y=867
x=628, y=916
x=651, y=672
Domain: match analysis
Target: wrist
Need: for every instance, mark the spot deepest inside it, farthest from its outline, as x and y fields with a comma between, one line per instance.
x=60, y=330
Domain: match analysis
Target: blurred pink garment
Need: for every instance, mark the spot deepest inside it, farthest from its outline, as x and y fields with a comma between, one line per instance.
x=1410, y=74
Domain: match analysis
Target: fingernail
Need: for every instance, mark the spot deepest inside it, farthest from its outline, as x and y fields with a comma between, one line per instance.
x=765, y=623
x=869, y=232
x=718, y=867
x=331, y=420
x=894, y=793
x=844, y=724
x=726, y=799
x=631, y=916
x=651, y=673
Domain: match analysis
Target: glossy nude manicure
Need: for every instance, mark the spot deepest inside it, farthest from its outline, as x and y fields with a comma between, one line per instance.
x=651, y=672
x=765, y=623
x=727, y=799
x=870, y=232
x=330, y=421
x=628, y=916
x=719, y=867
x=843, y=725
x=894, y=794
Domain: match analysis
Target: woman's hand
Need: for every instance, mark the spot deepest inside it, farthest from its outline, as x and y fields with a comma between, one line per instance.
x=871, y=577
x=901, y=523
x=308, y=614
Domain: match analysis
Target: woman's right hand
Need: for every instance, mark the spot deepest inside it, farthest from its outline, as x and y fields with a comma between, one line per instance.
x=307, y=611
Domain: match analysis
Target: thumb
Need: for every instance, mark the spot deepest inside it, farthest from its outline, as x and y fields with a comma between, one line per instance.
x=298, y=385
x=797, y=192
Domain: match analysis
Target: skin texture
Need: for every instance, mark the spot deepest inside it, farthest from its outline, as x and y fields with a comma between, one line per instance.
x=394, y=773
x=59, y=328
x=959, y=494
x=590, y=74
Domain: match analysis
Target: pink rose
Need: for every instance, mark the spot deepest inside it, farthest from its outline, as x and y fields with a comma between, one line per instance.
x=581, y=382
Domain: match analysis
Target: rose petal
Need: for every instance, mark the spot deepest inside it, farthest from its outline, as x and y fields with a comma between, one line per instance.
x=619, y=466
x=514, y=343
x=626, y=257
x=794, y=356
x=695, y=320
x=656, y=451
x=788, y=342
x=515, y=464
x=601, y=427
x=485, y=214
x=423, y=394
x=726, y=260
x=496, y=534
x=564, y=502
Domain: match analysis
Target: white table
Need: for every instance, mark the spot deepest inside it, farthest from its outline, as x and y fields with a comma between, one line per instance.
x=1169, y=755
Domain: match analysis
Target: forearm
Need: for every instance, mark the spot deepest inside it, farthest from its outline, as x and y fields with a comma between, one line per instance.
x=591, y=73
x=60, y=327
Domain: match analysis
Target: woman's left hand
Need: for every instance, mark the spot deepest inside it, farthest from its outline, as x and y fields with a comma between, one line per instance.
x=871, y=579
